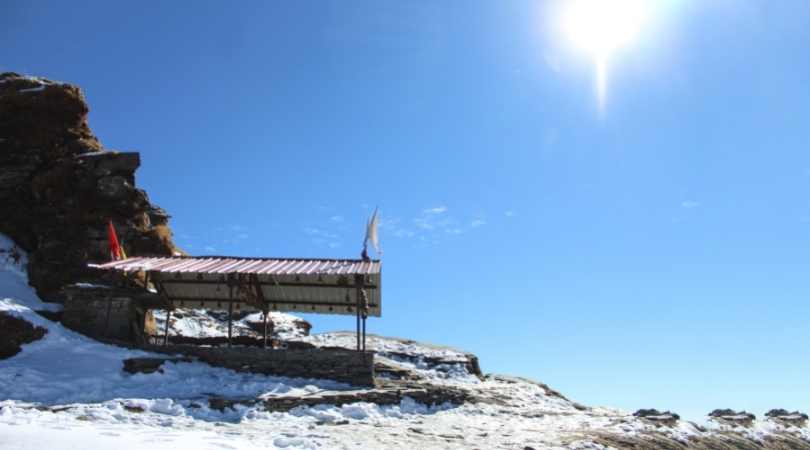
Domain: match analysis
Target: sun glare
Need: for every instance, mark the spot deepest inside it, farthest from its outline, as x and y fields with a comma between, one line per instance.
x=601, y=27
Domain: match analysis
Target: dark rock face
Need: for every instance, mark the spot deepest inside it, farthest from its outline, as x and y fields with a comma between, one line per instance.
x=731, y=417
x=15, y=332
x=787, y=418
x=716, y=441
x=666, y=418
x=58, y=187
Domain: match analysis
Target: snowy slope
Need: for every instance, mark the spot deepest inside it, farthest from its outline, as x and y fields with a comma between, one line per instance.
x=68, y=391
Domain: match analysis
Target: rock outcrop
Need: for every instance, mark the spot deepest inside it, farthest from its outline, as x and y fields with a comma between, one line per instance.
x=787, y=418
x=59, y=187
x=14, y=332
x=666, y=418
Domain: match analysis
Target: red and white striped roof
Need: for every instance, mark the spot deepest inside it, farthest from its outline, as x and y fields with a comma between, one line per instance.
x=258, y=266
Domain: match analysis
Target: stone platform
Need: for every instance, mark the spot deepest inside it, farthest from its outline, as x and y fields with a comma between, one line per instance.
x=346, y=366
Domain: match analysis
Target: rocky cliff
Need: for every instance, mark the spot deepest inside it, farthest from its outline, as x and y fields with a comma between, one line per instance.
x=59, y=186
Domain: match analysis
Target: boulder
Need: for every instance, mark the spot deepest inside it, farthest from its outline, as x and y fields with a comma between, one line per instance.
x=785, y=417
x=14, y=332
x=665, y=418
x=732, y=417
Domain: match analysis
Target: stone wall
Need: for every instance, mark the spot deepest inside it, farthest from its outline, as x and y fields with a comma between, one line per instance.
x=346, y=366
x=109, y=312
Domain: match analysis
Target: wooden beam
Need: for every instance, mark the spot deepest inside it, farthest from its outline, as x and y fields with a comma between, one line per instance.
x=266, y=302
x=268, y=283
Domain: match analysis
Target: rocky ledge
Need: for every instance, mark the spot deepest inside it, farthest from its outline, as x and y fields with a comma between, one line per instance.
x=14, y=332
x=59, y=187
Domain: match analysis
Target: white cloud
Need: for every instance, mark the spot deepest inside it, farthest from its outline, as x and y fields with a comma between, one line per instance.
x=320, y=233
x=509, y=213
x=454, y=230
x=477, y=223
x=436, y=210
x=689, y=204
x=336, y=219
x=209, y=249
x=423, y=223
x=334, y=244
x=403, y=233
x=388, y=222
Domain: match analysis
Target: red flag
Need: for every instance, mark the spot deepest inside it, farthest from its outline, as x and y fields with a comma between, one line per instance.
x=116, y=252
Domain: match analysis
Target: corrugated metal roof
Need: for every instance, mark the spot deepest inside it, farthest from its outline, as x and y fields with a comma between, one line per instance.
x=278, y=284
x=258, y=266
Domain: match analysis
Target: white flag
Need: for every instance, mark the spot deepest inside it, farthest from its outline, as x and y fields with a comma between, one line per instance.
x=371, y=232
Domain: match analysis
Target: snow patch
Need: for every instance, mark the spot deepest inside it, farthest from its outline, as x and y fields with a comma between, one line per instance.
x=34, y=89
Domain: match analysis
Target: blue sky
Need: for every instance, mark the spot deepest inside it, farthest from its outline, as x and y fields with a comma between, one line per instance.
x=652, y=253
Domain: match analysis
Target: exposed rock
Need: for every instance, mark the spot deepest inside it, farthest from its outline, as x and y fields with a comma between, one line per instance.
x=390, y=371
x=148, y=365
x=665, y=418
x=709, y=441
x=53, y=316
x=301, y=325
x=784, y=417
x=14, y=332
x=390, y=393
x=470, y=361
x=731, y=417
x=59, y=187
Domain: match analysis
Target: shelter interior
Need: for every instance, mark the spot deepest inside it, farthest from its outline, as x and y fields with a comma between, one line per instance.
x=234, y=284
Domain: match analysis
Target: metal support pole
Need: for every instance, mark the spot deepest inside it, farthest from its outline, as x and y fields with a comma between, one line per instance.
x=265, y=329
x=363, y=296
x=358, y=282
x=230, y=315
x=166, y=335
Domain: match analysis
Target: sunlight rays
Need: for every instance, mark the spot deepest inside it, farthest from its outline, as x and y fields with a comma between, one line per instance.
x=601, y=28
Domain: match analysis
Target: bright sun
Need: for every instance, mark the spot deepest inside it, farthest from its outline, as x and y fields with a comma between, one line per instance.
x=601, y=27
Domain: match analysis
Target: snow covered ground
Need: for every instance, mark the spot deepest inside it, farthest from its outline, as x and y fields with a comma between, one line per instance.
x=67, y=391
x=201, y=323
